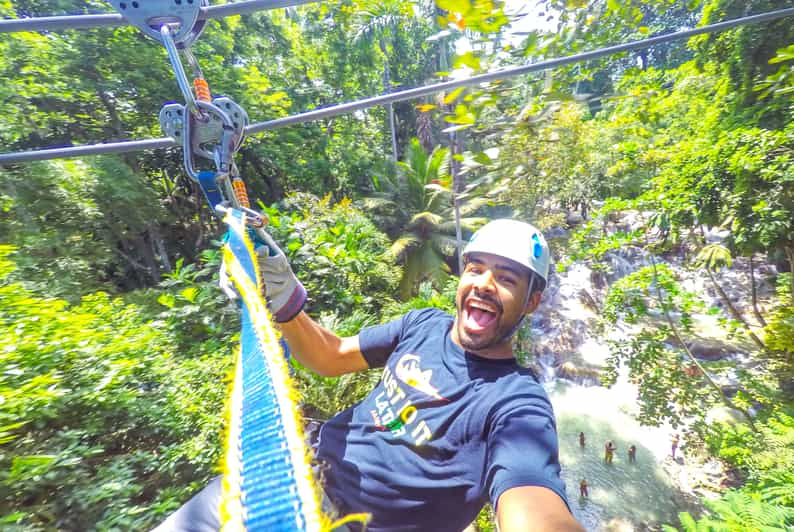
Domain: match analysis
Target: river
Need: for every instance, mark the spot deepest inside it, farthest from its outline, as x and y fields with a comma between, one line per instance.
x=623, y=496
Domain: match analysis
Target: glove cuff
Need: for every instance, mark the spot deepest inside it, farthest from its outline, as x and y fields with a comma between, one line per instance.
x=293, y=306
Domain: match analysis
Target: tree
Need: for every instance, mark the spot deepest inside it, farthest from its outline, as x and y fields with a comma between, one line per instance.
x=379, y=22
x=421, y=202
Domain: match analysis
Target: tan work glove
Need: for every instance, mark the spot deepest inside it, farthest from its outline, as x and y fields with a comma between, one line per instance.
x=284, y=293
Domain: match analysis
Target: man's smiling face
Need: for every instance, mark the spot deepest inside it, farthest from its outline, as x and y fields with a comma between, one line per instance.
x=491, y=300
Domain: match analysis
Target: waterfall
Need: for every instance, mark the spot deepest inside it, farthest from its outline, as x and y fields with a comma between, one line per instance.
x=569, y=357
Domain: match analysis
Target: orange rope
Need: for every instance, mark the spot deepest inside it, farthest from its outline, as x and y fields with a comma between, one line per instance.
x=240, y=192
x=202, y=89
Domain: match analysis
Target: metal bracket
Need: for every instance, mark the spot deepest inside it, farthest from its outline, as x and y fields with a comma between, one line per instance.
x=172, y=120
x=182, y=16
x=216, y=135
x=207, y=133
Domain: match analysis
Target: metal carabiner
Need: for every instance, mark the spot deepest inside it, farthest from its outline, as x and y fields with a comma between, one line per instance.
x=192, y=141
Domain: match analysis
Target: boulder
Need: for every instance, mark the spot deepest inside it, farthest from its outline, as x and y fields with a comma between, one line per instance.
x=580, y=375
x=708, y=350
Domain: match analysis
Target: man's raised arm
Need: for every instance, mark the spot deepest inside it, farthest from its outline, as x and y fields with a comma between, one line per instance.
x=321, y=350
x=312, y=345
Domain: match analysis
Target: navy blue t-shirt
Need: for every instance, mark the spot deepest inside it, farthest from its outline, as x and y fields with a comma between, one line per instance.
x=443, y=432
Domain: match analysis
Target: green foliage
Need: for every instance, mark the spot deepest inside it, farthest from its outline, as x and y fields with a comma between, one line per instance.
x=765, y=458
x=486, y=520
x=107, y=419
x=422, y=200
x=672, y=385
x=110, y=406
x=336, y=252
x=737, y=511
x=427, y=297
x=592, y=241
x=780, y=331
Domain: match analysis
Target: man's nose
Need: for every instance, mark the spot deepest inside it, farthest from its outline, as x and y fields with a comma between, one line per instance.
x=485, y=282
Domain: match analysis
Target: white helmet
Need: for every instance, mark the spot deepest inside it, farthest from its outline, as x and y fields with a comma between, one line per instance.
x=514, y=240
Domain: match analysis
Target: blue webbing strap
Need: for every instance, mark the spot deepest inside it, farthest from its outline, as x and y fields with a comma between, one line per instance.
x=267, y=465
x=208, y=185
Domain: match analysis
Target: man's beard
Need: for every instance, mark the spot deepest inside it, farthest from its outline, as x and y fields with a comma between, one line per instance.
x=501, y=332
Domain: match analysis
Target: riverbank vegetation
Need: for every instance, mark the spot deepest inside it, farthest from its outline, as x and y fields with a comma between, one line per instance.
x=116, y=344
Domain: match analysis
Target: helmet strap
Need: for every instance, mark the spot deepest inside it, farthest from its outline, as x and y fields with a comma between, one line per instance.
x=528, y=295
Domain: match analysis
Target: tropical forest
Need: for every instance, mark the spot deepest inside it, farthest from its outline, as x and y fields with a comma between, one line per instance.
x=661, y=174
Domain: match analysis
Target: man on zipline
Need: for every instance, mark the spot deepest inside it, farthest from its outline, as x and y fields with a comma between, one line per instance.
x=454, y=422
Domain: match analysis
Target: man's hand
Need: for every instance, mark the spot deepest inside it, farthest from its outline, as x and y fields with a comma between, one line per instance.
x=285, y=295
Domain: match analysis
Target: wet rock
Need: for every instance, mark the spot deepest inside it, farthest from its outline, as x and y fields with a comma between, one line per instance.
x=556, y=232
x=703, y=349
x=587, y=299
x=574, y=218
x=708, y=351
x=560, y=341
x=580, y=375
x=619, y=524
x=599, y=279
x=730, y=390
x=716, y=235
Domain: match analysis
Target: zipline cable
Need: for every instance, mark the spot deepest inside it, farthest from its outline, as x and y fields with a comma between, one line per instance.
x=345, y=108
x=81, y=22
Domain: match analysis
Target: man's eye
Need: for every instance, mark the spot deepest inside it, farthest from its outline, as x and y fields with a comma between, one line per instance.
x=507, y=280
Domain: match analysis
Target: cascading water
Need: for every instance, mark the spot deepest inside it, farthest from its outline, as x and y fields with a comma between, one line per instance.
x=622, y=495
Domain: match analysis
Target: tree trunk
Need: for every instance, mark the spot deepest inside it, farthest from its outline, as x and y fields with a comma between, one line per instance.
x=729, y=304
x=457, y=188
x=735, y=312
x=144, y=251
x=389, y=107
x=275, y=189
x=789, y=251
x=754, y=292
x=158, y=247
x=727, y=402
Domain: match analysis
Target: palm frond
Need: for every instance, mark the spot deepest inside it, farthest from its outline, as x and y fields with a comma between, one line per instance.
x=424, y=220
x=466, y=224
x=378, y=203
x=438, y=164
x=403, y=244
x=445, y=244
x=714, y=257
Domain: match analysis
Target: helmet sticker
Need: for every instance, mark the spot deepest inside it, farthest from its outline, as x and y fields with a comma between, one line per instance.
x=537, y=247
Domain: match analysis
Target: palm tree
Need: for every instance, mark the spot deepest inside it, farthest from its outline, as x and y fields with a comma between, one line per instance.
x=420, y=198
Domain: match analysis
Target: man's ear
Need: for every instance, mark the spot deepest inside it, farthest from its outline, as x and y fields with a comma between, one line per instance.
x=532, y=302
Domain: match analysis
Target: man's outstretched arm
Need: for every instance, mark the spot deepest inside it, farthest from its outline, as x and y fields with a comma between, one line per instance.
x=314, y=346
x=321, y=350
x=534, y=508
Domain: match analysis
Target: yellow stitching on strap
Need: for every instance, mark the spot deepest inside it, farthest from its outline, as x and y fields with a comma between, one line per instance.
x=284, y=392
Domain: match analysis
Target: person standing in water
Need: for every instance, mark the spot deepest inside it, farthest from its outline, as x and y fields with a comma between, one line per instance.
x=581, y=440
x=674, y=445
x=583, y=488
x=633, y=454
x=609, y=452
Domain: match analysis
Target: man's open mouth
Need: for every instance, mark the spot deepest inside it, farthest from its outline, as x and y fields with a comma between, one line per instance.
x=479, y=315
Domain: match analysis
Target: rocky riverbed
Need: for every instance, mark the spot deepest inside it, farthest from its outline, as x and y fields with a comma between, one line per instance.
x=570, y=355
